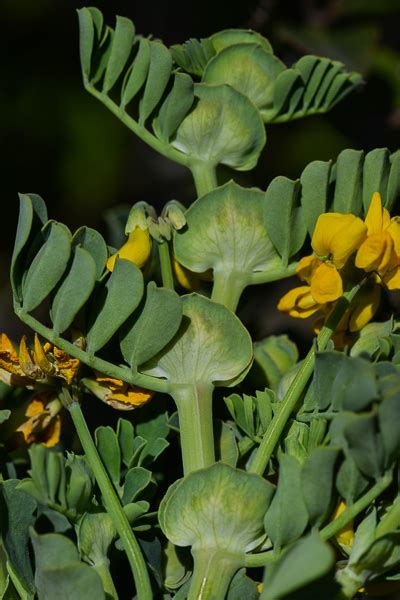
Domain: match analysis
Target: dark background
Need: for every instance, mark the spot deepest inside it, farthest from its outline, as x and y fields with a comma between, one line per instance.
x=58, y=141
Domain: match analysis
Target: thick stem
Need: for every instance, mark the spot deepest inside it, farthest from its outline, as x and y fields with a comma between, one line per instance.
x=196, y=426
x=336, y=526
x=103, y=569
x=165, y=264
x=228, y=285
x=288, y=404
x=205, y=178
x=212, y=575
x=227, y=288
x=113, y=505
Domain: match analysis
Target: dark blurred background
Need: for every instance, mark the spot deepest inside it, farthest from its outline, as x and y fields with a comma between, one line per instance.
x=61, y=143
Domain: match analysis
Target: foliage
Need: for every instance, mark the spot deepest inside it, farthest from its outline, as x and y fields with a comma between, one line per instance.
x=297, y=484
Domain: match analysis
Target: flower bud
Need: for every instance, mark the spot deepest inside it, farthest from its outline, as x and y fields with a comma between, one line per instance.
x=174, y=211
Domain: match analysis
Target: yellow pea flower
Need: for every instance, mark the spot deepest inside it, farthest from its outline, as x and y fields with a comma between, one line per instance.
x=345, y=537
x=326, y=284
x=337, y=236
x=186, y=278
x=380, y=252
x=363, y=309
x=11, y=372
x=37, y=367
x=299, y=303
x=360, y=312
x=43, y=425
x=116, y=393
x=137, y=249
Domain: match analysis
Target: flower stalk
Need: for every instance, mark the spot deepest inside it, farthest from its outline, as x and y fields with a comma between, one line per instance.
x=212, y=575
x=194, y=405
x=165, y=264
x=112, y=504
x=288, y=404
x=205, y=178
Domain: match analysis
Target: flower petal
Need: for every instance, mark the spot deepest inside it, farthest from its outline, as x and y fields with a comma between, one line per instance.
x=291, y=303
x=66, y=366
x=394, y=232
x=52, y=433
x=41, y=359
x=345, y=537
x=375, y=253
x=9, y=360
x=7, y=346
x=326, y=284
x=186, y=278
x=307, y=266
x=392, y=279
x=338, y=235
x=137, y=249
x=365, y=308
x=29, y=367
x=378, y=218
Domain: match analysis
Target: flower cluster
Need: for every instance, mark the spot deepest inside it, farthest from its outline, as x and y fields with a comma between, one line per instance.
x=41, y=369
x=44, y=369
x=375, y=246
x=35, y=368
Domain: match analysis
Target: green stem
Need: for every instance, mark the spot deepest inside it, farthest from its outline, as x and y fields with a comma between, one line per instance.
x=165, y=264
x=113, y=505
x=228, y=288
x=205, y=178
x=212, y=574
x=228, y=285
x=194, y=405
x=103, y=569
x=273, y=274
x=137, y=129
x=98, y=364
x=336, y=526
x=288, y=404
x=260, y=559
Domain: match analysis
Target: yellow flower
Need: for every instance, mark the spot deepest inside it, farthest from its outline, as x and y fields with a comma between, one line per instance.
x=39, y=366
x=359, y=313
x=43, y=425
x=323, y=277
x=362, y=309
x=10, y=371
x=117, y=393
x=380, y=252
x=345, y=537
x=299, y=303
x=337, y=236
x=326, y=284
x=137, y=249
x=189, y=280
x=186, y=278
